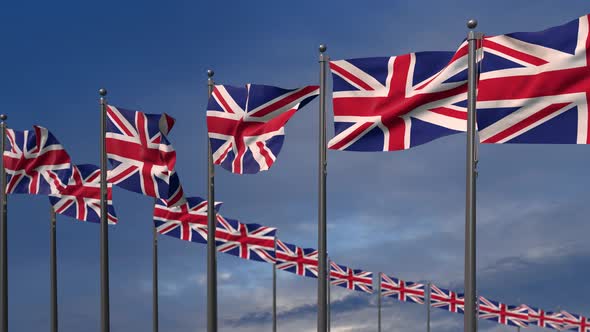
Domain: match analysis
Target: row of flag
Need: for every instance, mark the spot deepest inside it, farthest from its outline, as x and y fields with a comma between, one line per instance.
x=379, y=104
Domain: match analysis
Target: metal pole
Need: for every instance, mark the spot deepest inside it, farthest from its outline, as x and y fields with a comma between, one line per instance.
x=53, y=270
x=428, y=308
x=155, y=313
x=104, y=231
x=322, y=237
x=329, y=309
x=470, y=318
x=274, y=292
x=379, y=302
x=3, y=234
x=211, y=226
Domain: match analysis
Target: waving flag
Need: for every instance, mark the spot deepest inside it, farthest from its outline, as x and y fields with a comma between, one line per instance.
x=141, y=155
x=187, y=222
x=80, y=197
x=35, y=162
x=573, y=322
x=247, y=241
x=246, y=125
x=541, y=318
x=447, y=300
x=502, y=313
x=534, y=86
x=402, y=290
x=294, y=259
x=395, y=103
x=348, y=278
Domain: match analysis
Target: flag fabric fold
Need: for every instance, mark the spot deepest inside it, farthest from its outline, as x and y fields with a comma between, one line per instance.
x=79, y=198
x=294, y=259
x=35, y=162
x=246, y=124
x=533, y=86
x=395, y=103
x=143, y=159
x=405, y=291
x=575, y=322
x=357, y=280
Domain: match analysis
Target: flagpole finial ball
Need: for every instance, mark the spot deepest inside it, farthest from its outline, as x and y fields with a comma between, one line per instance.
x=323, y=48
x=3, y=117
x=210, y=73
x=472, y=24
x=102, y=92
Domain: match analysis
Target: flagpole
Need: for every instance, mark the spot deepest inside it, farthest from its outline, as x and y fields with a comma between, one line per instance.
x=329, y=309
x=322, y=237
x=3, y=234
x=104, y=234
x=211, y=227
x=428, y=309
x=470, y=213
x=155, y=313
x=379, y=302
x=53, y=269
x=274, y=291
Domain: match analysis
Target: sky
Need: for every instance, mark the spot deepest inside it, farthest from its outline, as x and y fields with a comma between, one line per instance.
x=401, y=213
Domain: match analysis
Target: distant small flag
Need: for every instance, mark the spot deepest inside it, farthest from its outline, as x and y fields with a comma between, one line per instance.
x=294, y=259
x=187, y=222
x=503, y=313
x=247, y=124
x=352, y=279
x=542, y=318
x=574, y=322
x=405, y=291
x=247, y=241
x=446, y=299
x=80, y=197
x=143, y=159
x=35, y=162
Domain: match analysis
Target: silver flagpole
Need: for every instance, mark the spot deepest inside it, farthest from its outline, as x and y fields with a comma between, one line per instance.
x=379, y=302
x=428, y=308
x=155, y=310
x=3, y=234
x=274, y=291
x=322, y=237
x=211, y=227
x=53, y=270
x=470, y=320
x=104, y=234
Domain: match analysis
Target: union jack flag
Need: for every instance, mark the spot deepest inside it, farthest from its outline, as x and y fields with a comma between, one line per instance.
x=573, y=322
x=542, y=318
x=402, y=290
x=502, y=313
x=246, y=125
x=395, y=103
x=143, y=160
x=80, y=197
x=294, y=259
x=447, y=300
x=187, y=222
x=35, y=162
x=534, y=85
x=247, y=241
x=348, y=278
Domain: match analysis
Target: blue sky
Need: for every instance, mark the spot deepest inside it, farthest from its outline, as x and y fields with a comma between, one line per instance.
x=400, y=213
